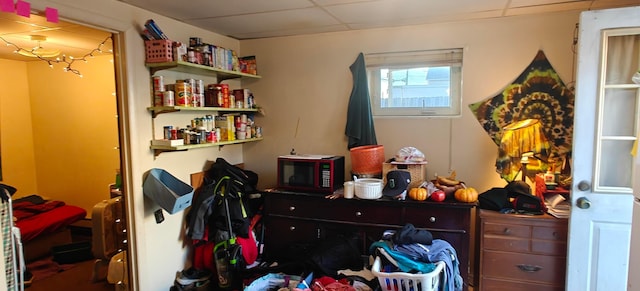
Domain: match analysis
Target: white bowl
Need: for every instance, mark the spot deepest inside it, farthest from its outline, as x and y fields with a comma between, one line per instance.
x=368, y=188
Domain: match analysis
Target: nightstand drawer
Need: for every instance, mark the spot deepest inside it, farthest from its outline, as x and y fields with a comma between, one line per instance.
x=525, y=267
x=507, y=244
x=507, y=230
x=549, y=247
x=550, y=233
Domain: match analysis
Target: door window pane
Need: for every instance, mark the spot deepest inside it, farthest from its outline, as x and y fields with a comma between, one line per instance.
x=616, y=170
x=619, y=103
x=621, y=64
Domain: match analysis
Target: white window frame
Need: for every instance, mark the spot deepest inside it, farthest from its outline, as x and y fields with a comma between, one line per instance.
x=416, y=59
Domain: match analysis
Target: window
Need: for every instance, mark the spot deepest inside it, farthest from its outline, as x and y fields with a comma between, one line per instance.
x=417, y=83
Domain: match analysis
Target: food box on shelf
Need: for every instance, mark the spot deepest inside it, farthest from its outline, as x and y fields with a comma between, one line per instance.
x=167, y=142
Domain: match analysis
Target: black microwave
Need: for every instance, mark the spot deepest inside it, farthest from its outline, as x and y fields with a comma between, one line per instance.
x=313, y=173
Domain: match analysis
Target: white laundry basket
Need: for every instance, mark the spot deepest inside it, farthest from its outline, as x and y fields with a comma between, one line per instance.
x=405, y=281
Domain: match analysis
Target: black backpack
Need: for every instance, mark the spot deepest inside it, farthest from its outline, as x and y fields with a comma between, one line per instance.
x=207, y=210
x=241, y=183
x=494, y=199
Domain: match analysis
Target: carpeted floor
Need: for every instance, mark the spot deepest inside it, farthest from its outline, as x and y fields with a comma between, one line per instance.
x=45, y=268
x=71, y=277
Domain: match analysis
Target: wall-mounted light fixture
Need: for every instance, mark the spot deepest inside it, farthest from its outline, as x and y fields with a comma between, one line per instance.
x=68, y=60
x=38, y=50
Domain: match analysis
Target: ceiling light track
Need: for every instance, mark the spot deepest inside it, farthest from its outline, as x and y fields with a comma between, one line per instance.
x=49, y=57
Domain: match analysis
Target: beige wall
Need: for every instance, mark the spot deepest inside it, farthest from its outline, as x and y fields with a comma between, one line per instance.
x=75, y=130
x=18, y=160
x=60, y=133
x=308, y=77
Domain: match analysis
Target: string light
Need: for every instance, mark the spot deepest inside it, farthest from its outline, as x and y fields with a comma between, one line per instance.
x=65, y=60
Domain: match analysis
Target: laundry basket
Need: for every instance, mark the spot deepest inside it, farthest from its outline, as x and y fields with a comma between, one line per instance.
x=404, y=281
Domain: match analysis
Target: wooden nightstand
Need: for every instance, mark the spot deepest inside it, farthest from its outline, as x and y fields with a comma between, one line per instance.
x=521, y=252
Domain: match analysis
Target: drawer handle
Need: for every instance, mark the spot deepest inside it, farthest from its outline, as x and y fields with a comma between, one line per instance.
x=358, y=213
x=432, y=219
x=292, y=208
x=507, y=231
x=529, y=268
x=292, y=228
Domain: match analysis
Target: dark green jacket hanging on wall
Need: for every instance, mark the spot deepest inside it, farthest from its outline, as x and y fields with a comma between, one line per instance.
x=360, y=129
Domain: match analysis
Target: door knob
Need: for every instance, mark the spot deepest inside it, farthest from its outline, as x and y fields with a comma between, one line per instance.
x=584, y=186
x=583, y=203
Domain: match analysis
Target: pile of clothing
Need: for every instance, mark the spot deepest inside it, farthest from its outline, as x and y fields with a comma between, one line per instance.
x=282, y=282
x=411, y=250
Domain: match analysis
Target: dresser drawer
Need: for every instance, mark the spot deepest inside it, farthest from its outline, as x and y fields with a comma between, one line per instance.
x=286, y=238
x=292, y=230
x=366, y=214
x=298, y=207
x=437, y=218
x=523, y=267
x=490, y=284
x=333, y=210
x=507, y=230
x=557, y=233
x=507, y=244
x=549, y=247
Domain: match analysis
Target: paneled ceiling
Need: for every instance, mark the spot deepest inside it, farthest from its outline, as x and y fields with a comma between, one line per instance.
x=248, y=19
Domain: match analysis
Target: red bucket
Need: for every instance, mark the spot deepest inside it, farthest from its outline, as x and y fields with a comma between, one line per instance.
x=367, y=160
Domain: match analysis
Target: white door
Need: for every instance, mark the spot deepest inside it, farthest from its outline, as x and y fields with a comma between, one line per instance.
x=607, y=110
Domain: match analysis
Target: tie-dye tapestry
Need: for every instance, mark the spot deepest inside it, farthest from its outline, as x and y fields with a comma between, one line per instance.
x=538, y=93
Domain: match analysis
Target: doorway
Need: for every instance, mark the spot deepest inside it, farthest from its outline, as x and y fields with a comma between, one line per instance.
x=60, y=129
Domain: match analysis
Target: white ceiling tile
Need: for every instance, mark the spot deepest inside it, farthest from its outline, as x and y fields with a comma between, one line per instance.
x=365, y=12
x=340, y=2
x=299, y=19
x=194, y=9
x=290, y=32
x=419, y=21
x=581, y=5
x=527, y=3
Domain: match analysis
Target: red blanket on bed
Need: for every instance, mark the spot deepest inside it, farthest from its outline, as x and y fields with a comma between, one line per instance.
x=36, y=219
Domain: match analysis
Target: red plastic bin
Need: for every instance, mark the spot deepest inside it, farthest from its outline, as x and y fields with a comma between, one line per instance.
x=159, y=50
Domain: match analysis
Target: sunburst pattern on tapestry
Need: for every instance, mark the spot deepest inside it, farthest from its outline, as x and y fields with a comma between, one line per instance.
x=538, y=93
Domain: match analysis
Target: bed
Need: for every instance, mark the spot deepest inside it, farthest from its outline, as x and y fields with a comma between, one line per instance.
x=44, y=224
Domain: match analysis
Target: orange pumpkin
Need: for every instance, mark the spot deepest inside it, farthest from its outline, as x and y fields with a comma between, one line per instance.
x=418, y=193
x=465, y=194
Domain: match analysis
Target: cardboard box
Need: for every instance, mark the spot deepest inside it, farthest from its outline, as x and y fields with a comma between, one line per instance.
x=418, y=172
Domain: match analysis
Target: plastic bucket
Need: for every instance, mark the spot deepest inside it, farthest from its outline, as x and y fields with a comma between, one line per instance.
x=367, y=160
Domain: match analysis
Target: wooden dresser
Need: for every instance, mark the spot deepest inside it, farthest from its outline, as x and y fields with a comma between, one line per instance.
x=521, y=252
x=294, y=220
